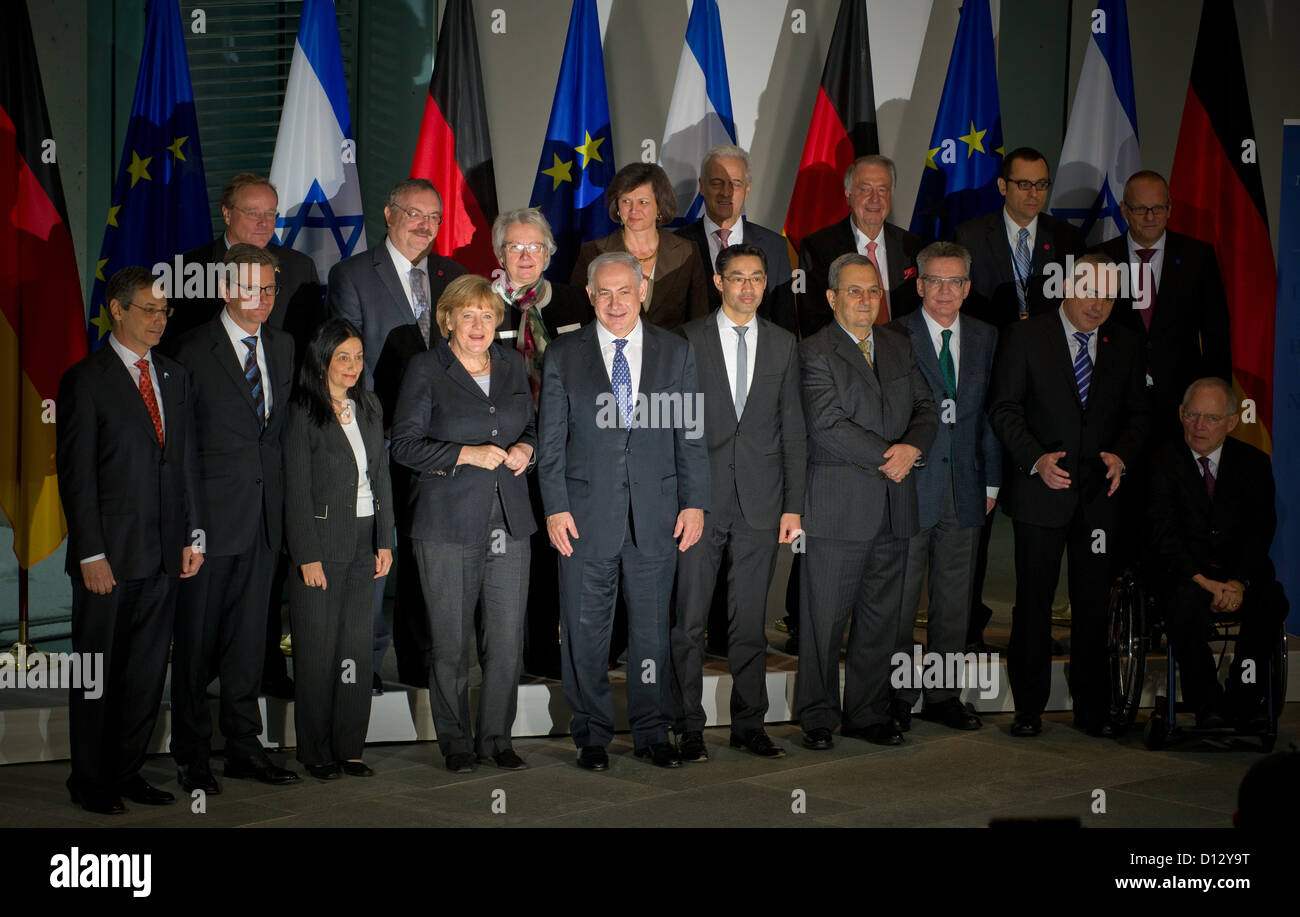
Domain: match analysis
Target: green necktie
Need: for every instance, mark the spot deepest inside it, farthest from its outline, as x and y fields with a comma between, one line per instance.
x=945, y=364
x=865, y=347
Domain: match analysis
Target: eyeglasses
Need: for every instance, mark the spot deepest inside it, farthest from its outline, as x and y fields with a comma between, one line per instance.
x=258, y=215
x=518, y=248
x=717, y=184
x=1158, y=210
x=416, y=216
x=270, y=288
x=858, y=294
x=1211, y=419
x=744, y=280
x=165, y=311
x=1026, y=185
x=937, y=283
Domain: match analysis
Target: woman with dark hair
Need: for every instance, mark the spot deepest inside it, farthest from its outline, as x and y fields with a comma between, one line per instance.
x=641, y=197
x=338, y=521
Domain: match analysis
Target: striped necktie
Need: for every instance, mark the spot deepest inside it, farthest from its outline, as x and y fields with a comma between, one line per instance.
x=1083, y=367
x=253, y=375
x=1024, y=264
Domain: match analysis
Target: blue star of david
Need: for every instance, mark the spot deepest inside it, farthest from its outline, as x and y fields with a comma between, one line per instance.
x=1103, y=206
x=336, y=224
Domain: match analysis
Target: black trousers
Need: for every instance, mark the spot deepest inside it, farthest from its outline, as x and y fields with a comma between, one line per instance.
x=273, y=662
x=221, y=632
x=412, y=644
x=131, y=627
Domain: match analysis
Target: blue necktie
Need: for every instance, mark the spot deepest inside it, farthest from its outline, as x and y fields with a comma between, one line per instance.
x=1082, y=367
x=1023, y=266
x=622, y=379
x=254, y=377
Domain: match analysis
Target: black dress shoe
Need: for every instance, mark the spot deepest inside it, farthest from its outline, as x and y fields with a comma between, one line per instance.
x=818, y=739
x=1026, y=724
x=327, y=771
x=461, y=763
x=357, y=769
x=593, y=758
x=661, y=754
x=197, y=776
x=507, y=760
x=876, y=733
x=951, y=713
x=901, y=711
x=692, y=747
x=259, y=769
x=757, y=741
x=376, y=685
x=137, y=789
x=1098, y=729
x=101, y=802
x=280, y=686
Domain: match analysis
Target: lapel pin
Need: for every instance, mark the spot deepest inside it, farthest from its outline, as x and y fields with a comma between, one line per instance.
x=1046, y=247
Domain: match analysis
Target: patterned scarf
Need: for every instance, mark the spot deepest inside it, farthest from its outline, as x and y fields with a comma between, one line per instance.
x=532, y=338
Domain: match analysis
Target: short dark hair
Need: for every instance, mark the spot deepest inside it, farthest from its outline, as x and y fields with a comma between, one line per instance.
x=123, y=284
x=241, y=181
x=1026, y=153
x=313, y=390
x=846, y=260
x=743, y=250
x=410, y=184
x=943, y=249
x=244, y=253
x=1147, y=175
x=634, y=175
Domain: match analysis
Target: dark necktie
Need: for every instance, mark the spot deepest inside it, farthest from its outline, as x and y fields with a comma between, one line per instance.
x=253, y=375
x=1207, y=475
x=1147, y=301
x=150, y=400
x=1023, y=264
x=946, y=365
x=1083, y=367
x=622, y=379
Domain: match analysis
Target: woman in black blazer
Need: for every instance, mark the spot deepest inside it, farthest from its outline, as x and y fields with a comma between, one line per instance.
x=465, y=424
x=338, y=519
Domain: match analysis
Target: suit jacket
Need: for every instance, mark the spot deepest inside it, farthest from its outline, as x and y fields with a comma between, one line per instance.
x=778, y=298
x=993, y=280
x=1034, y=409
x=240, y=466
x=600, y=472
x=1189, y=337
x=366, y=291
x=320, y=481
x=1227, y=538
x=819, y=249
x=441, y=408
x=680, y=290
x=298, y=307
x=853, y=416
x=762, y=458
x=966, y=442
x=125, y=496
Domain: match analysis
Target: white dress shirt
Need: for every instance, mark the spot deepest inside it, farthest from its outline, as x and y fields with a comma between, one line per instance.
x=861, y=239
x=1214, y=461
x=727, y=335
x=403, y=268
x=365, y=497
x=237, y=336
x=633, y=351
x=954, y=343
x=737, y=235
x=1013, y=235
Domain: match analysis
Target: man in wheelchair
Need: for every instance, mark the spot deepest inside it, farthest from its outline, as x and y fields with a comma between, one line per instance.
x=1212, y=521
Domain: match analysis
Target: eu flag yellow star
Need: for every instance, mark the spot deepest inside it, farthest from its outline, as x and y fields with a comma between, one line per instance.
x=973, y=140
x=99, y=268
x=559, y=172
x=175, y=148
x=139, y=168
x=929, y=158
x=103, y=322
x=589, y=149
x=112, y=214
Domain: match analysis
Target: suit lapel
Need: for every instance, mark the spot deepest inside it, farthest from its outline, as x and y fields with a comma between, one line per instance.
x=118, y=376
x=1043, y=242
x=717, y=360
x=387, y=272
x=169, y=384
x=924, y=347
x=995, y=237
x=1063, y=355
x=224, y=354
x=849, y=352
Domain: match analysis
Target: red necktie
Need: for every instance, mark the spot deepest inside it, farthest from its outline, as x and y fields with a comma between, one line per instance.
x=150, y=400
x=1207, y=475
x=883, y=315
x=1148, y=285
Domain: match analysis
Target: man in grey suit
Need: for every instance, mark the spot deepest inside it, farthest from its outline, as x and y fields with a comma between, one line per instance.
x=753, y=420
x=624, y=473
x=959, y=485
x=870, y=419
x=389, y=293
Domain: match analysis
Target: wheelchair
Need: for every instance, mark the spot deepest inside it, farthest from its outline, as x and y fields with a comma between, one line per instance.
x=1135, y=628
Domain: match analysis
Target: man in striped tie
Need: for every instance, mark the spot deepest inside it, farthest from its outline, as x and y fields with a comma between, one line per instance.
x=1068, y=401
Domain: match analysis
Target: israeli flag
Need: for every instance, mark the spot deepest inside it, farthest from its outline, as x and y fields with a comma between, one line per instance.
x=315, y=166
x=1101, y=142
x=699, y=116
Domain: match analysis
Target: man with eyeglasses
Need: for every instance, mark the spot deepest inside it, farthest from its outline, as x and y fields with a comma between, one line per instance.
x=753, y=420
x=870, y=419
x=125, y=461
x=958, y=487
x=725, y=182
x=1177, y=304
x=390, y=293
x=243, y=372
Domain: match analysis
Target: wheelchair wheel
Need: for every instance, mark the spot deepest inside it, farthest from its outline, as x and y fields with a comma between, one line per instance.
x=1126, y=645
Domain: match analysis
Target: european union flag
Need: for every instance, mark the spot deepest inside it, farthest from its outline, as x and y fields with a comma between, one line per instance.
x=962, y=165
x=159, y=207
x=577, y=161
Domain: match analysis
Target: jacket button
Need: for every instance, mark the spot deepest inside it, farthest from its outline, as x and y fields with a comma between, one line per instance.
x=259, y=480
x=492, y=409
x=494, y=432
x=627, y=451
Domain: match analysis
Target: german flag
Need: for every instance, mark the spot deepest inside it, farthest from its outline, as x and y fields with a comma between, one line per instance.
x=454, y=150
x=43, y=329
x=843, y=127
x=1217, y=195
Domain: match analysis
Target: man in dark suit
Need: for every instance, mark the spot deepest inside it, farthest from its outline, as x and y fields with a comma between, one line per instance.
x=725, y=182
x=1212, y=521
x=869, y=188
x=1180, y=310
x=753, y=419
x=1013, y=253
x=870, y=419
x=624, y=473
x=1069, y=404
x=958, y=487
x=390, y=293
x=243, y=373
x=125, y=462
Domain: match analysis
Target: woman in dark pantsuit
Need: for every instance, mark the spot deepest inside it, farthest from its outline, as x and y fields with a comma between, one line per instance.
x=338, y=520
x=465, y=423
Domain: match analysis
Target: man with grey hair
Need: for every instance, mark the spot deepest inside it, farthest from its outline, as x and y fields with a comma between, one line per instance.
x=725, y=182
x=625, y=484
x=869, y=191
x=389, y=294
